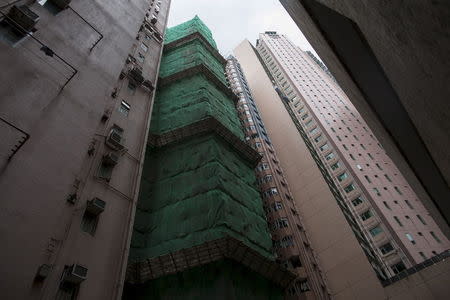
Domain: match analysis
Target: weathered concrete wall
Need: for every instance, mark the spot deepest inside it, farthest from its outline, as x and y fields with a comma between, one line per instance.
x=38, y=225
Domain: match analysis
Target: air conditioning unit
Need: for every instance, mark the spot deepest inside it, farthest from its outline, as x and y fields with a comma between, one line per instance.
x=43, y=271
x=95, y=206
x=148, y=85
x=110, y=159
x=75, y=274
x=158, y=37
x=135, y=75
x=61, y=3
x=22, y=18
x=114, y=140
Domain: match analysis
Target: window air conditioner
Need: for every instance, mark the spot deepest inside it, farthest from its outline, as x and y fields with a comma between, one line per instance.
x=75, y=274
x=95, y=206
x=114, y=140
x=135, y=75
x=22, y=18
x=110, y=159
x=148, y=85
x=61, y=3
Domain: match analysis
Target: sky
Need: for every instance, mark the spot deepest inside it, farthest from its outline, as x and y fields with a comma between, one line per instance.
x=232, y=21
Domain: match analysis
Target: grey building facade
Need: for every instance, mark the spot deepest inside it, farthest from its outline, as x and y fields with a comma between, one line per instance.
x=76, y=92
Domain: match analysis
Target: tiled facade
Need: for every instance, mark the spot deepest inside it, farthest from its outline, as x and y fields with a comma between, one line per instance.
x=388, y=212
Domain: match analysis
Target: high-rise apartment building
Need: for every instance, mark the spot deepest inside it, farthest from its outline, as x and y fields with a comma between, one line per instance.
x=200, y=230
x=290, y=239
x=76, y=92
x=346, y=256
x=387, y=210
x=390, y=58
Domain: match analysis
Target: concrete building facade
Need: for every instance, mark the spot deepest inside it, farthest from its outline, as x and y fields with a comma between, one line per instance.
x=389, y=213
x=76, y=96
x=343, y=251
x=390, y=58
x=290, y=239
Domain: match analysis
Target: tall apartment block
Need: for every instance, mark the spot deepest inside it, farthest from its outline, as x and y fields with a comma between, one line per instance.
x=365, y=223
x=76, y=92
x=390, y=58
x=289, y=237
x=385, y=207
x=200, y=230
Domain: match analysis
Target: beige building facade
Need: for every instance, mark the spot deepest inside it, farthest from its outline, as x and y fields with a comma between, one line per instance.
x=340, y=252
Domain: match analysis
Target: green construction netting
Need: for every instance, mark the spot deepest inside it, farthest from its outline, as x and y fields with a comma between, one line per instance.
x=224, y=279
x=197, y=191
x=186, y=28
x=192, y=99
x=189, y=55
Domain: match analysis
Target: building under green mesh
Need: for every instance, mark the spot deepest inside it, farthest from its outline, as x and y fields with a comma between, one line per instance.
x=200, y=230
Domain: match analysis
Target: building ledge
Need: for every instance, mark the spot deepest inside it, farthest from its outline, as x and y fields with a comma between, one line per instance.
x=211, y=251
x=199, y=69
x=193, y=36
x=204, y=126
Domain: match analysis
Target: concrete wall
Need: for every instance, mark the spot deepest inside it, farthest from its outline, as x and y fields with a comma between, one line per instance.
x=403, y=57
x=38, y=225
x=347, y=271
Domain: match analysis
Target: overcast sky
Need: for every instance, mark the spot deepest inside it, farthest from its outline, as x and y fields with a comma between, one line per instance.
x=232, y=21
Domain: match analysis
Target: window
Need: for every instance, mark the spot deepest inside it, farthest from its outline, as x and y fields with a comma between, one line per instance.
x=144, y=47
x=435, y=237
x=318, y=139
x=387, y=177
x=423, y=255
x=386, y=248
x=378, y=166
x=287, y=241
x=349, y=188
x=409, y=204
x=357, y=201
x=141, y=57
x=362, y=146
x=370, y=155
x=335, y=166
x=398, y=221
x=376, y=231
x=314, y=130
x=345, y=147
x=398, y=267
x=386, y=205
x=367, y=178
x=329, y=156
x=410, y=238
x=307, y=124
x=398, y=190
x=324, y=147
x=351, y=156
x=89, y=222
x=376, y=191
x=124, y=108
x=277, y=205
x=366, y=215
x=342, y=176
x=421, y=219
x=282, y=222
